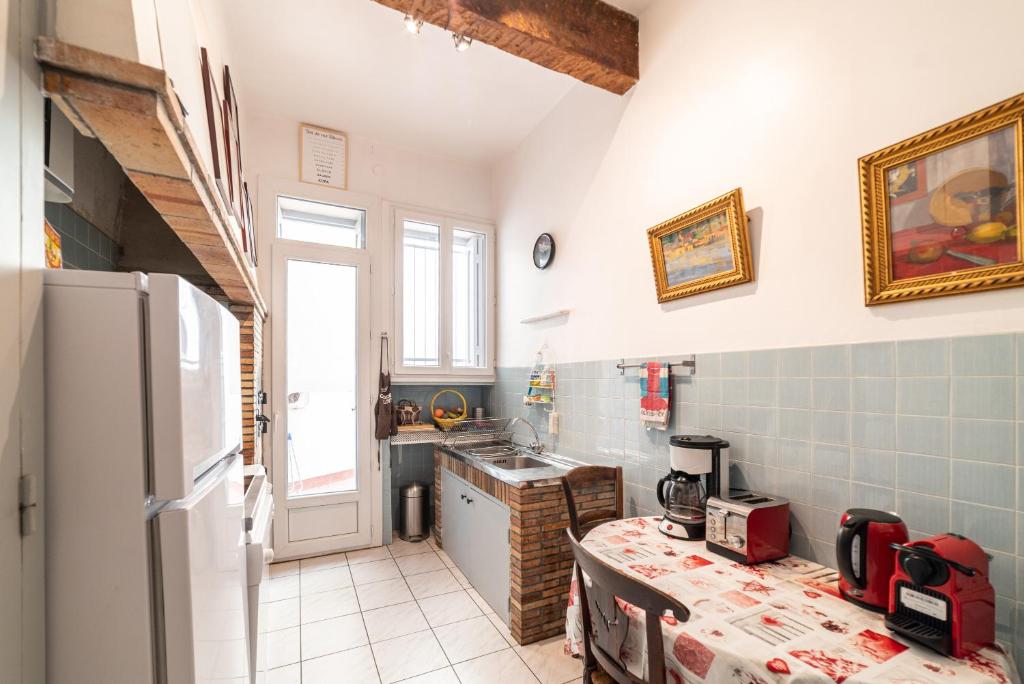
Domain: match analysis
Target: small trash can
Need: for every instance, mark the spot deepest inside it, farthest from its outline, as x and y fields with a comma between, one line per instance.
x=413, y=501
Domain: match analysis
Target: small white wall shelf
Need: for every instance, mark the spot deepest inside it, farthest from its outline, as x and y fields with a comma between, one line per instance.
x=547, y=316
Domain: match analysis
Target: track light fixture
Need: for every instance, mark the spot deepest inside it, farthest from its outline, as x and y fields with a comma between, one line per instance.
x=412, y=24
x=462, y=41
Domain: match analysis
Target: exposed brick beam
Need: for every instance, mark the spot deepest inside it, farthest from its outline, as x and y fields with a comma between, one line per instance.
x=586, y=39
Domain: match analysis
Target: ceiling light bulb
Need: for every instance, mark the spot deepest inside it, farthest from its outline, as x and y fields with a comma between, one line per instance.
x=462, y=41
x=412, y=24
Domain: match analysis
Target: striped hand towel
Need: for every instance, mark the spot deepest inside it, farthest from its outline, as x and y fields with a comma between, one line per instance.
x=655, y=395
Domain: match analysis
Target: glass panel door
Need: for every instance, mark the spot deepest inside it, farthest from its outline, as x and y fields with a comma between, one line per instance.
x=323, y=432
x=321, y=371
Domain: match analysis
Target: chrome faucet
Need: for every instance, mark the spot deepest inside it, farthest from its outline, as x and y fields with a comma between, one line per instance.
x=536, y=446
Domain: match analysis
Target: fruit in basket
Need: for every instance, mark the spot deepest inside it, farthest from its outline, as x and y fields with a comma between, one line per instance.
x=448, y=414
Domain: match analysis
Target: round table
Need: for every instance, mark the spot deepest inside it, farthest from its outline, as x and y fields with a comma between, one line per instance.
x=774, y=622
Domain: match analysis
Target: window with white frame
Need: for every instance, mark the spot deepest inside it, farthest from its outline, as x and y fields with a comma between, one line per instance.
x=326, y=224
x=421, y=294
x=444, y=309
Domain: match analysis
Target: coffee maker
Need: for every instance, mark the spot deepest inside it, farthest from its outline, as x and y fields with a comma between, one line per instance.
x=682, y=494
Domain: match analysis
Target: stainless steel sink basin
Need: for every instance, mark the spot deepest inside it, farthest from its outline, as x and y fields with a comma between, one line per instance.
x=515, y=462
x=492, y=450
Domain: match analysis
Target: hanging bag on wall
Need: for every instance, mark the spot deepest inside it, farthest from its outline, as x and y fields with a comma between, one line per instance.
x=385, y=408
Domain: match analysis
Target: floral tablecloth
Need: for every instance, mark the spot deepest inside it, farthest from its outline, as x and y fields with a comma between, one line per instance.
x=774, y=622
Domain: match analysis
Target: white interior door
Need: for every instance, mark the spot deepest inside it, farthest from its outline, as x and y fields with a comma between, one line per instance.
x=323, y=379
x=22, y=608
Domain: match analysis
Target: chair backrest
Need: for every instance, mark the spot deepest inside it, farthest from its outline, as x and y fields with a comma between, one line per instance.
x=647, y=598
x=585, y=477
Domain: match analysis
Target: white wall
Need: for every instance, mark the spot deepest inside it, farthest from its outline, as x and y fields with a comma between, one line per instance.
x=780, y=98
x=123, y=28
x=391, y=173
x=388, y=173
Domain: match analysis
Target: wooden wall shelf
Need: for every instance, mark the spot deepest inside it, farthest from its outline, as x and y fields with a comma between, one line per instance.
x=132, y=109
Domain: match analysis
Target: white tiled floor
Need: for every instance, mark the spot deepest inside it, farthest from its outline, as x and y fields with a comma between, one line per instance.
x=401, y=613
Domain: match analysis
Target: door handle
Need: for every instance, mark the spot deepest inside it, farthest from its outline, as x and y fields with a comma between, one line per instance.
x=469, y=500
x=462, y=496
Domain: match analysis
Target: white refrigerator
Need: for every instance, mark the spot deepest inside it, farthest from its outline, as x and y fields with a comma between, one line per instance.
x=145, y=553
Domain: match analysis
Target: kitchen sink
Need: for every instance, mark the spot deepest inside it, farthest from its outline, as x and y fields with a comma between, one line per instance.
x=493, y=450
x=516, y=462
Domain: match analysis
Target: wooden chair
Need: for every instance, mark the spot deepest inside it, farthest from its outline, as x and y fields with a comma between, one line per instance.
x=614, y=584
x=584, y=477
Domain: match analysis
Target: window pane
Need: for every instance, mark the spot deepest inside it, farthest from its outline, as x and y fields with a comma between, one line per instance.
x=321, y=378
x=327, y=224
x=421, y=288
x=469, y=313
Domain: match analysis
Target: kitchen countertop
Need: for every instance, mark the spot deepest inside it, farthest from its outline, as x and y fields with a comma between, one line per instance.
x=521, y=478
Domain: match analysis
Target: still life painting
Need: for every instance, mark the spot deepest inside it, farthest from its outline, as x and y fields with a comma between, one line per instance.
x=942, y=212
x=702, y=249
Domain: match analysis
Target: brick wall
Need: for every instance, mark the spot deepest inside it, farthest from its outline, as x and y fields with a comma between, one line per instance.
x=542, y=557
x=251, y=328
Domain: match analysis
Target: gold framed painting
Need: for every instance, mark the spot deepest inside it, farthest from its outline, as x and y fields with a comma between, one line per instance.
x=703, y=249
x=941, y=213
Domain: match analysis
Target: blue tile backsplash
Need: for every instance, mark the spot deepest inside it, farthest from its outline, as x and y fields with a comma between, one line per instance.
x=933, y=429
x=415, y=462
x=83, y=245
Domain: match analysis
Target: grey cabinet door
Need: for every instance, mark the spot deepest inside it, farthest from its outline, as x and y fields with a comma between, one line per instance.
x=488, y=570
x=476, y=527
x=453, y=517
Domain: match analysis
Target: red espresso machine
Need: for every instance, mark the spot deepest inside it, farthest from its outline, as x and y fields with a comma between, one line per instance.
x=941, y=596
x=865, y=558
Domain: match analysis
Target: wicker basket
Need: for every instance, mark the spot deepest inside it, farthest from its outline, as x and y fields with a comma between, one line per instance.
x=448, y=423
x=407, y=412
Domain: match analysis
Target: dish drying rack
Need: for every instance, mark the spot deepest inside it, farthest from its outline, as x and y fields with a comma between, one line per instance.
x=467, y=431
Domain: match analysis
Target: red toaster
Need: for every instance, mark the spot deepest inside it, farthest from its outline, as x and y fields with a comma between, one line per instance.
x=748, y=527
x=941, y=596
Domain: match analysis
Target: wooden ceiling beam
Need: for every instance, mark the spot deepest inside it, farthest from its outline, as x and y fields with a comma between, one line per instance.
x=587, y=39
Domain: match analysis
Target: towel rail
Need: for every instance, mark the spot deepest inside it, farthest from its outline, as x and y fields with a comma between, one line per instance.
x=690, y=363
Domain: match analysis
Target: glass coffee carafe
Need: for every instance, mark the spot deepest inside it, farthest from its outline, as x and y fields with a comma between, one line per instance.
x=684, y=499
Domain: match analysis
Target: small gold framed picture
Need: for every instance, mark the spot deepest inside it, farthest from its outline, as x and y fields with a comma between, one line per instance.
x=941, y=212
x=703, y=249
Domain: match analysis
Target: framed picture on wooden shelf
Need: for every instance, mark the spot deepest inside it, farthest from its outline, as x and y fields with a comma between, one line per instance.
x=941, y=212
x=249, y=227
x=323, y=156
x=703, y=249
x=215, y=125
x=232, y=147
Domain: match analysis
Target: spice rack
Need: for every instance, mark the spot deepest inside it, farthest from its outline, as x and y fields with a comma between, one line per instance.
x=540, y=388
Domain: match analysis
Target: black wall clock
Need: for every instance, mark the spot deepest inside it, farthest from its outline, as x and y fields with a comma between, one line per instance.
x=544, y=251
